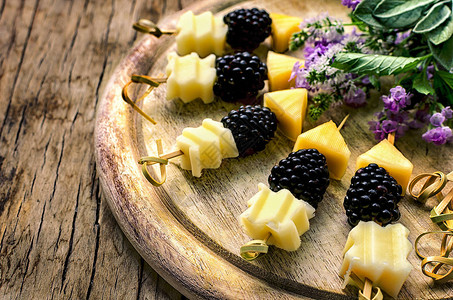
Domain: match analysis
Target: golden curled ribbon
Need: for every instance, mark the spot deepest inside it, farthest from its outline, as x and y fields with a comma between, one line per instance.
x=255, y=248
x=438, y=261
x=149, y=160
x=147, y=26
x=434, y=184
x=366, y=288
x=141, y=79
x=443, y=217
x=162, y=160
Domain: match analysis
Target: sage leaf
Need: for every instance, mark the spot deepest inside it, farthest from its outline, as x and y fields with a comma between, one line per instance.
x=400, y=13
x=435, y=17
x=443, y=89
x=374, y=64
x=393, y=8
x=441, y=33
x=364, y=10
x=443, y=53
x=447, y=78
x=421, y=84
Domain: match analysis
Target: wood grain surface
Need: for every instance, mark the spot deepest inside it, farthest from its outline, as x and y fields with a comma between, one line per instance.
x=188, y=229
x=58, y=238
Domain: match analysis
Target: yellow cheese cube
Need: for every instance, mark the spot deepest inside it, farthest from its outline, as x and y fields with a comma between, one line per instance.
x=203, y=34
x=290, y=107
x=279, y=68
x=283, y=27
x=190, y=77
x=391, y=159
x=327, y=139
x=379, y=254
x=279, y=214
x=205, y=146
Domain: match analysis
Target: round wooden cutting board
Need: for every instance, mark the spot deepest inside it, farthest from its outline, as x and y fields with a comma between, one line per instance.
x=188, y=229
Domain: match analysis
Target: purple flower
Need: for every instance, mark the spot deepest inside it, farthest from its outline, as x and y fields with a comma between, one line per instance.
x=416, y=124
x=389, y=126
x=350, y=3
x=375, y=126
x=430, y=72
x=437, y=119
x=419, y=119
x=438, y=135
x=397, y=100
x=447, y=112
x=296, y=70
x=401, y=36
x=366, y=80
x=355, y=98
x=399, y=117
x=390, y=103
x=399, y=94
x=401, y=130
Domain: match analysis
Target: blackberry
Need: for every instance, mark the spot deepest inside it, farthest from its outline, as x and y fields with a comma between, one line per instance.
x=373, y=196
x=252, y=128
x=239, y=77
x=247, y=28
x=304, y=173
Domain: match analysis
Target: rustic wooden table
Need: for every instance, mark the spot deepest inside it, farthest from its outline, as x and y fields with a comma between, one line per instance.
x=58, y=238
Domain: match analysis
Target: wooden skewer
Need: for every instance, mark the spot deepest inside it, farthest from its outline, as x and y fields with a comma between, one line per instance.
x=166, y=156
x=343, y=122
x=368, y=288
x=391, y=138
x=450, y=176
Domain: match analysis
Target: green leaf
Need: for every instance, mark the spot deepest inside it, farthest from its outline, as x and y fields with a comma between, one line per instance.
x=393, y=8
x=435, y=17
x=370, y=64
x=364, y=11
x=358, y=23
x=443, y=89
x=374, y=80
x=441, y=33
x=400, y=13
x=446, y=77
x=421, y=84
x=443, y=53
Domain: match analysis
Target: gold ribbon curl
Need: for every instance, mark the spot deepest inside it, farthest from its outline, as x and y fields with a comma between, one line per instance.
x=148, y=26
x=149, y=160
x=162, y=160
x=367, y=291
x=141, y=79
x=442, y=215
x=254, y=249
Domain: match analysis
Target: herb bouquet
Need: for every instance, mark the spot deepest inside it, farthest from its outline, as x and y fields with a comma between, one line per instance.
x=410, y=39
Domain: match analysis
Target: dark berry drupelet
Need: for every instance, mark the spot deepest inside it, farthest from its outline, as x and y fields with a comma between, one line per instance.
x=252, y=128
x=247, y=28
x=239, y=77
x=304, y=173
x=373, y=196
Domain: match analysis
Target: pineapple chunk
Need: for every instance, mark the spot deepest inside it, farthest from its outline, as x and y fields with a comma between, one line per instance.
x=279, y=68
x=289, y=106
x=283, y=27
x=327, y=139
x=388, y=157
